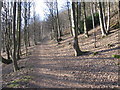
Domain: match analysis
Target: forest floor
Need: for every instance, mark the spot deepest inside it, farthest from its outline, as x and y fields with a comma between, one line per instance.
x=54, y=66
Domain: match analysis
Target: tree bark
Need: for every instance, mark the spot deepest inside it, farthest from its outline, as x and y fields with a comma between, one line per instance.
x=19, y=30
x=84, y=17
x=25, y=28
x=57, y=23
x=15, y=65
x=7, y=43
x=69, y=16
x=101, y=20
x=34, y=32
x=75, y=32
x=104, y=18
x=119, y=13
x=93, y=22
x=119, y=26
x=108, y=19
x=0, y=31
x=28, y=36
x=79, y=16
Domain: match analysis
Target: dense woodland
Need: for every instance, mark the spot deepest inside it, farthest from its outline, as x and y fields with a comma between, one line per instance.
x=21, y=28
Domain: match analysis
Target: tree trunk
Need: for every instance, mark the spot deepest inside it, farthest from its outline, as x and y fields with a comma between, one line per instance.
x=79, y=16
x=0, y=30
x=15, y=66
x=19, y=30
x=34, y=33
x=119, y=13
x=84, y=17
x=29, y=8
x=104, y=18
x=69, y=16
x=7, y=33
x=57, y=22
x=93, y=22
x=119, y=26
x=101, y=20
x=25, y=27
x=108, y=19
x=75, y=32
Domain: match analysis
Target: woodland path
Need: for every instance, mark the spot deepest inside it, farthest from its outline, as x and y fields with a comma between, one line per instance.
x=55, y=66
x=54, y=69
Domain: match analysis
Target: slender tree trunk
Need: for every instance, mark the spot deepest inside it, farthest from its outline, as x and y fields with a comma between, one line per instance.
x=69, y=16
x=108, y=19
x=29, y=8
x=53, y=33
x=104, y=18
x=19, y=30
x=58, y=25
x=85, y=25
x=77, y=12
x=11, y=28
x=34, y=33
x=75, y=32
x=79, y=16
x=15, y=65
x=119, y=27
x=93, y=22
x=25, y=28
x=119, y=13
x=101, y=20
x=0, y=31
x=7, y=33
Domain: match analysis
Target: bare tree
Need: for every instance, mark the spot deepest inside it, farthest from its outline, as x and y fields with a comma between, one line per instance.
x=74, y=30
x=84, y=17
x=93, y=22
x=119, y=11
x=108, y=18
x=104, y=14
x=19, y=30
x=68, y=6
x=101, y=19
x=25, y=27
x=15, y=65
x=58, y=24
x=34, y=32
x=0, y=30
x=29, y=14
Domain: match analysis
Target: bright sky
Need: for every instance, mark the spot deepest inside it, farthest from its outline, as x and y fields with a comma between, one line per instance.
x=41, y=6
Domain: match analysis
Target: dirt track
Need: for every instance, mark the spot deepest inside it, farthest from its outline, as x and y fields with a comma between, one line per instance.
x=54, y=66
